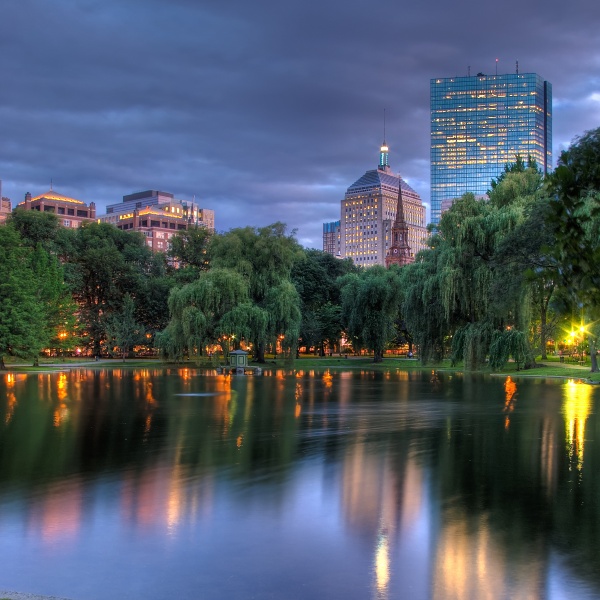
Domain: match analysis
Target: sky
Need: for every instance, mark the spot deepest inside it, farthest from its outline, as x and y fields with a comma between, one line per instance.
x=261, y=110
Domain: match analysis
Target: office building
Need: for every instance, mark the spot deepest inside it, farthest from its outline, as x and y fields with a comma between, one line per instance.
x=158, y=216
x=368, y=212
x=5, y=206
x=332, y=238
x=188, y=210
x=70, y=212
x=481, y=123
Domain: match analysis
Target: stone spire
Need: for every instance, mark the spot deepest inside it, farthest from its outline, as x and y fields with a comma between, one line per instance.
x=399, y=250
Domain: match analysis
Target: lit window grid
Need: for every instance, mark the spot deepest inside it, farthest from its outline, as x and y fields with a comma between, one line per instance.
x=365, y=228
x=478, y=124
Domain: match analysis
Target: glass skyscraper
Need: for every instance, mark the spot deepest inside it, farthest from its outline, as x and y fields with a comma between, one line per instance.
x=479, y=124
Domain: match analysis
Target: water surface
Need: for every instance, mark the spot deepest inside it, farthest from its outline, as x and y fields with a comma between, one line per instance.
x=161, y=484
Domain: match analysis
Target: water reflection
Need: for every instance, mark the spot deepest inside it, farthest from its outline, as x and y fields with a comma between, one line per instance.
x=576, y=410
x=510, y=398
x=311, y=484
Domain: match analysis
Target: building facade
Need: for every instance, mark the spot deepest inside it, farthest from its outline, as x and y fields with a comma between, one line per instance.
x=70, y=212
x=481, y=123
x=189, y=210
x=5, y=206
x=399, y=252
x=368, y=212
x=158, y=216
x=332, y=238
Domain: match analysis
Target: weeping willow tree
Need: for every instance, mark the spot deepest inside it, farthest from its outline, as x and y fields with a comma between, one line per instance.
x=370, y=307
x=456, y=289
x=205, y=312
x=421, y=306
x=264, y=257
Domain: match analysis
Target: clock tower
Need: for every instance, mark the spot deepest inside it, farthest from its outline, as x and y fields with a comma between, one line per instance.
x=399, y=251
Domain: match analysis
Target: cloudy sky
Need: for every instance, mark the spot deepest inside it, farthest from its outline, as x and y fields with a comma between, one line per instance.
x=263, y=110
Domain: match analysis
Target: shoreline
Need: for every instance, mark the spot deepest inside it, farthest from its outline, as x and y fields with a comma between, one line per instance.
x=551, y=369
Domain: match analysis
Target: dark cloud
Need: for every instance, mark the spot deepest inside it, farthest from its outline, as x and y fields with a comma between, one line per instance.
x=263, y=110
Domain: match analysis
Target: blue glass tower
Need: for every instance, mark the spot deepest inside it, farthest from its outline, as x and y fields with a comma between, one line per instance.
x=481, y=123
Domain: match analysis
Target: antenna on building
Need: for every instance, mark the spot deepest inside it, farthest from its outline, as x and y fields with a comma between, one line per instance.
x=383, y=151
x=496, y=66
x=50, y=184
x=517, y=67
x=469, y=71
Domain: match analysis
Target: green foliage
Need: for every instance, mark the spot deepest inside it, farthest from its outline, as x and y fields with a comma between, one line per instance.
x=122, y=329
x=202, y=311
x=27, y=297
x=316, y=276
x=35, y=227
x=105, y=264
x=264, y=257
x=506, y=344
x=477, y=277
x=188, y=249
x=370, y=307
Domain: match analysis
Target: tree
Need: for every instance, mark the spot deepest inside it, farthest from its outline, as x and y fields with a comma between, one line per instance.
x=316, y=276
x=122, y=328
x=209, y=310
x=35, y=227
x=370, y=306
x=24, y=326
x=575, y=188
x=264, y=257
x=104, y=264
x=468, y=287
x=188, y=249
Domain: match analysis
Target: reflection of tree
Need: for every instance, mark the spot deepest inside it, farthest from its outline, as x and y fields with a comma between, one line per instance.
x=508, y=497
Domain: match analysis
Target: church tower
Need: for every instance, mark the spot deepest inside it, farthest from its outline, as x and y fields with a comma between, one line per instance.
x=399, y=250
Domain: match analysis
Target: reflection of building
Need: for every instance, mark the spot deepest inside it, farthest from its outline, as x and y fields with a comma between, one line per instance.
x=471, y=561
x=385, y=502
x=332, y=241
x=158, y=215
x=70, y=212
x=368, y=212
x=479, y=124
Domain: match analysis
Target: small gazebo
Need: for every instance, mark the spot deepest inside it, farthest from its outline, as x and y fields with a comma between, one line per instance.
x=238, y=358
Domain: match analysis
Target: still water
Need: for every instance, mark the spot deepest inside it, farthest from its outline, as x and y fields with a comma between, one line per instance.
x=157, y=484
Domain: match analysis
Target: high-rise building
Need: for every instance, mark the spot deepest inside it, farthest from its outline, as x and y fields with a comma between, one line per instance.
x=368, y=213
x=332, y=238
x=481, y=123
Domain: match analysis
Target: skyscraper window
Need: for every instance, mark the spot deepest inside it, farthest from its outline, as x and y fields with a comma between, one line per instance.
x=481, y=123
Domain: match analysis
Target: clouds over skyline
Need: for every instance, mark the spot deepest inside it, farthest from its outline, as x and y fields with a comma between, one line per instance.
x=263, y=111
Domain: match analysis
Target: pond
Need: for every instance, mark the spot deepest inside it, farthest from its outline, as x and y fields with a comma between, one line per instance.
x=158, y=483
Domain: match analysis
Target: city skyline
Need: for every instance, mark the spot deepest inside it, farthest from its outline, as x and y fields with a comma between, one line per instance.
x=261, y=113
